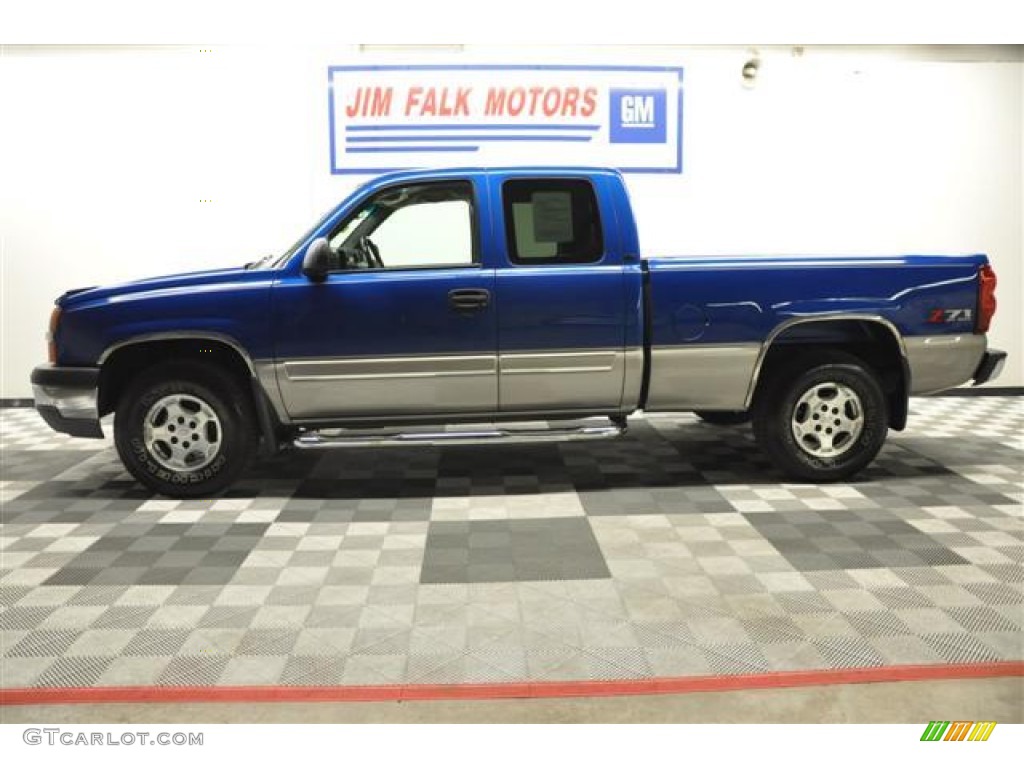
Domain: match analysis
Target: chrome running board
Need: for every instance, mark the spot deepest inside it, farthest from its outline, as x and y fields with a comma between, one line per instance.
x=355, y=439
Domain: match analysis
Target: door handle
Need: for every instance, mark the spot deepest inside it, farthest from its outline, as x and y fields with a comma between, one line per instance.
x=468, y=299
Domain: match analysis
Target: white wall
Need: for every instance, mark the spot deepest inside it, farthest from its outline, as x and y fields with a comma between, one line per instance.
x=118, y=163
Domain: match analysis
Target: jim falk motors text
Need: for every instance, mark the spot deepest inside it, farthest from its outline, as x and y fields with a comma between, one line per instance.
x=466, y=101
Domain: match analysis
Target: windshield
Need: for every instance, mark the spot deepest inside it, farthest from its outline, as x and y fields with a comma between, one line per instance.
x=341, y=237
x=278, y=261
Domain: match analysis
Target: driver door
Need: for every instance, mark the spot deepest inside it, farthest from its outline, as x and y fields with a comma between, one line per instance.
x=405, y=322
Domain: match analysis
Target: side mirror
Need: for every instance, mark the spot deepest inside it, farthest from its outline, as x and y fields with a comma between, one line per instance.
x=316, y=262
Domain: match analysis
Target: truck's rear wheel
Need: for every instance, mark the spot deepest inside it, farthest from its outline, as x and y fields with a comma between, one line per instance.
x=823, y=419
x=724, y=418
x=184, y=429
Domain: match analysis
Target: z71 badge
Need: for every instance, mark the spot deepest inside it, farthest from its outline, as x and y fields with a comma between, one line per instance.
x=950, y=316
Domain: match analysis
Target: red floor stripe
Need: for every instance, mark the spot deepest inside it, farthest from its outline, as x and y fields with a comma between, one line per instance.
x=525, y=690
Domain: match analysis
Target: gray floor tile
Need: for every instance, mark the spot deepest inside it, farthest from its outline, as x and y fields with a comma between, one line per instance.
x=676, y=550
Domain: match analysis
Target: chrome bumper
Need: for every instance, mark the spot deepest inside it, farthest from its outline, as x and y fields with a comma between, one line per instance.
x=66, y=398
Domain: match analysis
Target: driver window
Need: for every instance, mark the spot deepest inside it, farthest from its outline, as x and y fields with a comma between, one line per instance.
x=418, y=225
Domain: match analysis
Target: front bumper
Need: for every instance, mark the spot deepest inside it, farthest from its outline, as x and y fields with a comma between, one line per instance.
x=66, y=398
x=990, y=367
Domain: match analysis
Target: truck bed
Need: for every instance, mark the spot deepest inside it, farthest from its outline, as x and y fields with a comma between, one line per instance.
x=710, y=318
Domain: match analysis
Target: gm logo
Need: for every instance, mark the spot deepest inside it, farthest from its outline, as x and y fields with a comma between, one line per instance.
x=637, y=117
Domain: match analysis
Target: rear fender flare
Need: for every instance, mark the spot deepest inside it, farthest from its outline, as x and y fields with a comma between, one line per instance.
x=898, y=404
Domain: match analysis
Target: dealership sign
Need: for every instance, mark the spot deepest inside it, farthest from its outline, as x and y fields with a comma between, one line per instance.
x=392, y=117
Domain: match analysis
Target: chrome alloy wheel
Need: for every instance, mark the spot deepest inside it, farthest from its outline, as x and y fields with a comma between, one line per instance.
x=182, y=433
x=827, y=420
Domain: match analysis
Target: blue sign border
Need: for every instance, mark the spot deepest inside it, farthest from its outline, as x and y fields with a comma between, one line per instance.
x=336, y=171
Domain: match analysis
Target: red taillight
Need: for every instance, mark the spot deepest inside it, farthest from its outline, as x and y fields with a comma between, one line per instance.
x=986, y=298
x=51, y=336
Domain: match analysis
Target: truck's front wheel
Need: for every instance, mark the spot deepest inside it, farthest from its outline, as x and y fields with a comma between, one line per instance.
x=184, y=429
x=822, y=420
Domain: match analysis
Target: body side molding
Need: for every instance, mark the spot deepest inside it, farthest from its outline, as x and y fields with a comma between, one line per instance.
x=342, y=369
x=700, y=376
x=940, y=362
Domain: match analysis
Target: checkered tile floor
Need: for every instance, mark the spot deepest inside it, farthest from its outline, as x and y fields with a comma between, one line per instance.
x=672, y=551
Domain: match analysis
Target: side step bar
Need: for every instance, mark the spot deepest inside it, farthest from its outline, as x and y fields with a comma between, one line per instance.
x=353, y=439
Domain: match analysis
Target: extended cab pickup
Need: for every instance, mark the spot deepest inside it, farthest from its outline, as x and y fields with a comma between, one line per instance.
x=455, y=297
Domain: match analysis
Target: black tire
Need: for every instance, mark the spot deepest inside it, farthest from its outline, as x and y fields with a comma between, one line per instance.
x=228, y=438
x=724, y=418
x=789, y=404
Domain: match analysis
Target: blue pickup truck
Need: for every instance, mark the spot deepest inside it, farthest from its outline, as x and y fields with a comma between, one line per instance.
x=506, y=296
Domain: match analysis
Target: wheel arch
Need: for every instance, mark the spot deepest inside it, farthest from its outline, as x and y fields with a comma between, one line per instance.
x=871, y=338
x=121, y=362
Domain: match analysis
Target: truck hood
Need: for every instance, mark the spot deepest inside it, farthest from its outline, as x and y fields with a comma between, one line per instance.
x=159, y=285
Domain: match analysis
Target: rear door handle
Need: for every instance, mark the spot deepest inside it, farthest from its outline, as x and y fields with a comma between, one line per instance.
x=469, y=299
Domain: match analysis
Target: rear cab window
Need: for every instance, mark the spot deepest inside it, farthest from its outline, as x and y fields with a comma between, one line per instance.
x=552, y=221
